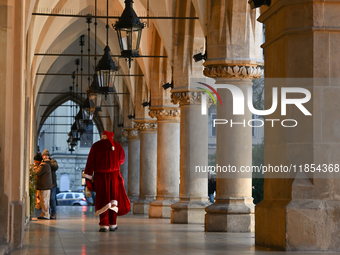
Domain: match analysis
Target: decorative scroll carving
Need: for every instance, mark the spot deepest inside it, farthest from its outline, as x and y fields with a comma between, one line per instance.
x=165, y=114
x=189, y=97
x=121, y=139
x=145, y=126
x=130, y=133
x=233, y=72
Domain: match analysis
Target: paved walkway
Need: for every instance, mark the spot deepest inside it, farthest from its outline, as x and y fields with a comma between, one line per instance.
x=76, y=232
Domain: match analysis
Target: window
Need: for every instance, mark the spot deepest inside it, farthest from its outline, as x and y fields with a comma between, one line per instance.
x=64, y=182
x=69, y=196
x=213, y=129
x=76, y=195
x=87, y=137
x=60, y=196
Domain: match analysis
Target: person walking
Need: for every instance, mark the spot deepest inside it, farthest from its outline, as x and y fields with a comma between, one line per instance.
x=53, y=197
x=104, y=162
x=44, y=185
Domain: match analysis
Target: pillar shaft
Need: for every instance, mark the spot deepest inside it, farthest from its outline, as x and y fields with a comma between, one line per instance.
x=124, y=170
x=148, y=167
x=234, y=144
x=133, y=164
x=168, y=154
x=12, y=83
x=194, y=152
x=233, y=210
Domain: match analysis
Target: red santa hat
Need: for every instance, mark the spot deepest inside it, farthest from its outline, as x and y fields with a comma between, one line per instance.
x=110, y=136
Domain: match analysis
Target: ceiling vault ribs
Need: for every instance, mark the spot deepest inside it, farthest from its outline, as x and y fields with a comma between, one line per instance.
x=68, y=93
x=92, y=55
x=42, y=105
x=104, y=17
x=69, y=74
x=63, y=30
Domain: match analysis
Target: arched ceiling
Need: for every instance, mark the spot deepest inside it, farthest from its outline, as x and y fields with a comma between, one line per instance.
x=61, y=99
x=50, y=34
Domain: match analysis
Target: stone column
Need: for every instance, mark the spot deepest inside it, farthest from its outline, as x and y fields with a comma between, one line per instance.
x=148, y=167
x=168, y=154
x=233, y=54
x=12, y=125
x=233, y=210
x=133, y=162
x=124, y=167
x=194, y=152
x=301, y=212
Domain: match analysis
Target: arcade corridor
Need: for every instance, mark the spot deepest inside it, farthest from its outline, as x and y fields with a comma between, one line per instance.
x=155, y=90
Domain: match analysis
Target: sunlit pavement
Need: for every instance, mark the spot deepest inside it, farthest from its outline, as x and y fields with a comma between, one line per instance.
x=76, y=232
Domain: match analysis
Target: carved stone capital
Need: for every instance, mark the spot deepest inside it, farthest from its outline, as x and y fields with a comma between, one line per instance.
x=120, y=139
x=146, y=126
x=189, y=98
x=130, y=133
x=233, y=72
x=168, y=114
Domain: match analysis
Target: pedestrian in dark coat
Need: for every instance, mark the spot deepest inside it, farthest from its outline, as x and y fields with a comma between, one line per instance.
x=53, y=197
x=44, y=185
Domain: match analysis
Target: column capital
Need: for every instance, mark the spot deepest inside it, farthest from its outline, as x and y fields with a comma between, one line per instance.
x=120, y=139
x=130, y=133
x=170, y=114
x=235, y=71
x=189, y=98
x=146, y=126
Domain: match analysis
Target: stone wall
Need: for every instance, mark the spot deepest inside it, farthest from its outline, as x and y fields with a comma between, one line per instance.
x=73, y=165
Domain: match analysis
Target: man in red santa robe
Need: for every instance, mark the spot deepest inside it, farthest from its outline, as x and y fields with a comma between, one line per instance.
x=103, y=176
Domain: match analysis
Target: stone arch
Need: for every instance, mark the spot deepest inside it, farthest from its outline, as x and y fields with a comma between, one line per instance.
x=57, y=101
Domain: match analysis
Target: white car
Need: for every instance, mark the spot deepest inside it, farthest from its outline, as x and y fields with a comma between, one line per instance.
x=71, y=198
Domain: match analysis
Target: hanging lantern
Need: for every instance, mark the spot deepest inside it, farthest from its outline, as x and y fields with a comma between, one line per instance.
x=80, y=123
x=106, y=70
x=71, y=142
x=86, y=109
x=94, y=94
x=129, y=32
x=95, y=103
x=86, y=112
x=74, y=132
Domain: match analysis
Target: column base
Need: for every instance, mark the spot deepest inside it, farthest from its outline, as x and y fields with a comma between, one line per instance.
x=5, y=217
x=17, y=224
x=313, y=225
x=133, y=199
x=161, y=207
x=230, y=215
x=270, y=224
x=141, y=206
x=186, y=211
x=298, y=225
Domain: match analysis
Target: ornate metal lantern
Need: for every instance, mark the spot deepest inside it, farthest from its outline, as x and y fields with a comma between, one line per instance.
x=129, y=32
x=106, y=70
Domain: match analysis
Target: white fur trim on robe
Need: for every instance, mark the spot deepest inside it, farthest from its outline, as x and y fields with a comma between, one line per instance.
x=112, y=206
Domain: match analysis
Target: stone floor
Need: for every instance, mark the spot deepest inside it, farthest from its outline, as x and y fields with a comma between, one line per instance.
x=76, y=232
